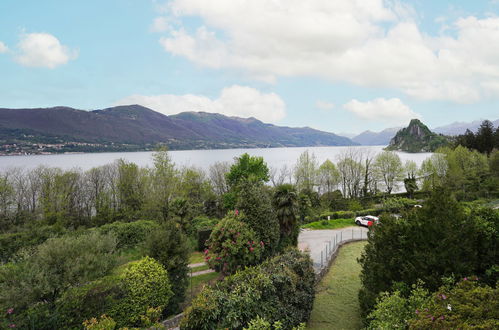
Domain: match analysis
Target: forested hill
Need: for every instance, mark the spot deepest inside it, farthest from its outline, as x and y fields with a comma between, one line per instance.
x=417, y=137
x=137, y=125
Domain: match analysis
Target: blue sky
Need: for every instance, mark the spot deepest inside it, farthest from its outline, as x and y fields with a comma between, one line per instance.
x=340, y=66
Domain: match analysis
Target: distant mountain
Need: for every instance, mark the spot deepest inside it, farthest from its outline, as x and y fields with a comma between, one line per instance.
x=458, y=128
x=416, y=137
x=369, y=138
x=138, y=126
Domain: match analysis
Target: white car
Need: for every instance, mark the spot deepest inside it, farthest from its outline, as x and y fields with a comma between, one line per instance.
x=366, y=220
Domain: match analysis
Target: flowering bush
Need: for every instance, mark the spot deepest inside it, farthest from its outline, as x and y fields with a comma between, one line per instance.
x=465, y=306
x=280, y=291
x=233, y=245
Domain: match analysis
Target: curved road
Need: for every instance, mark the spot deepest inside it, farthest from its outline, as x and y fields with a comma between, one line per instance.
x=317, y=241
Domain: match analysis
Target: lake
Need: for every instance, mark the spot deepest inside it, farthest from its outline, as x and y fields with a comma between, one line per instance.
x=275, y=157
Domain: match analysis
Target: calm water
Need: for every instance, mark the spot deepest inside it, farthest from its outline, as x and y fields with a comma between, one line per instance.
x=275, y=157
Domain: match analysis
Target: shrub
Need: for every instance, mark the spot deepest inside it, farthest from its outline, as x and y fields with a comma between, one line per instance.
x=86, y=301
x=233, y=245
x=146, y=285
x=103, y=323
x=393, y=311
x=279, y=290
x=433, y=242
x=466, y=306
x=168, y=245
x=12, y=243
x=255, y=203
x=34, y=283
x=129, y=234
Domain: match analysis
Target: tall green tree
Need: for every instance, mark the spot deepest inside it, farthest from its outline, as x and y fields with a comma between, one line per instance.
x=388, y=167
x=169, y=247
x=248, y=167
x=285, y=203
x=328, y=177
x=485, y=137
x=255, y=203
x=305, y=171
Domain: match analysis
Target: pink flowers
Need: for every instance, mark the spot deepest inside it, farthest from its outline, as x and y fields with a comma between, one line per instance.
x=262, y=244
x=10, y=310
x=236, y=212
x=251, y=249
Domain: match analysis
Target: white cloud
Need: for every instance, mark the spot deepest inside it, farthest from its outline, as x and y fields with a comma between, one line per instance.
x=324, y=105
x=160, y=24
x=239, y=101
x=391, y=111
x=372, y=43
x=3, y=48
x=43, y=50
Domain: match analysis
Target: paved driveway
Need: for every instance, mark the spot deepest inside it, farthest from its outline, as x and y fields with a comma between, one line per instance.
x=325, y=241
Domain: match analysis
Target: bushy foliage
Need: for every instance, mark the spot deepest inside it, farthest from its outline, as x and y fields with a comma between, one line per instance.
x=146, y=285
x=233, y=245
x=394, y=311
x=465, y=306
x=279, y=290
x=435, y=241
x=12, y=243
x=129, y=234
x=248, y=168
x=32, y=285
x=254, y=202
x=169, y=246
x=262, y=324
x=285, y=202
x=130, y=298
x=103, y=323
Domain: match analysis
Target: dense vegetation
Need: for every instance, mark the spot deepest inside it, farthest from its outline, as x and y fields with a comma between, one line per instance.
x=111, y=245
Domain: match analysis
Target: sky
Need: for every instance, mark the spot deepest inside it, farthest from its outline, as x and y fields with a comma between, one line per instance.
x=342, y=66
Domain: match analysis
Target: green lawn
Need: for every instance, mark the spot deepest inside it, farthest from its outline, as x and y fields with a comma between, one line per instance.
x=330, y=224
x=196, y=257
x=336, y=304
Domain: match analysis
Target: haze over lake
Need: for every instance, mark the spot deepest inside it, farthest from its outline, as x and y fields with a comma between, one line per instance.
x=203, y=159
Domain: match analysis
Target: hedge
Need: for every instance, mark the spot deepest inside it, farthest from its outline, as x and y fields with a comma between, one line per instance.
x=279, y=290
x=129, y=234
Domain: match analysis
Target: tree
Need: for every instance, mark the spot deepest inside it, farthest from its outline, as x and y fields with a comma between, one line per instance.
x=410, y=180
x=130, y=189
x=351, y=172
x=485, y=137
x=218, y=176
x=328, y=177
x=305, y=171
x=439, y=240
x=285, y=203
x=254, y=201
x=55, y=266
x=248, y=167
x=389, y=169
x=433, y=171
x=233, y=245
x=169, y=247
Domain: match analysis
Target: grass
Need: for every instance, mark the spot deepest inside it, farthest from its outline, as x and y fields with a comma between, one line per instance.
x=196, y=257
x=330, y=224
x=336, y=304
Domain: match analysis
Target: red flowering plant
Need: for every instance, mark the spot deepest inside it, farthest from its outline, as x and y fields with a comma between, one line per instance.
x=233, y=245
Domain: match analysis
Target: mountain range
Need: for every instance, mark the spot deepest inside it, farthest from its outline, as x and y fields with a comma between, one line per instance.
x=141, y=126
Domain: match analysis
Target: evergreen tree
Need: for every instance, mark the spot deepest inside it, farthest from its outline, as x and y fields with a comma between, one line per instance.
x=254, y=202
x=170, y=248
x=485, y=137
